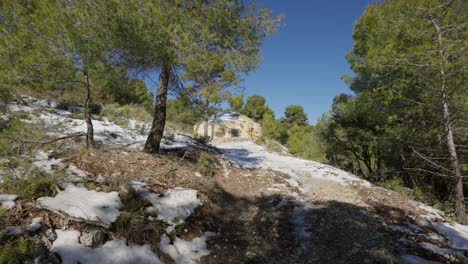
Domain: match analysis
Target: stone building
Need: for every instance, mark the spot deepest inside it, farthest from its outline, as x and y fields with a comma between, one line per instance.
x=228, y=126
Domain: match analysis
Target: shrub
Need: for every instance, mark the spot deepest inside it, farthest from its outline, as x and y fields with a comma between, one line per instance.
x=133, y=223
x=444, y=206
x=19, y=136
x=394, y=184
x=95, y=109
x=31, y=188
x=18, y=251
x=205, y=164
x=274, y=146
x=121, y=114
x=67, y=105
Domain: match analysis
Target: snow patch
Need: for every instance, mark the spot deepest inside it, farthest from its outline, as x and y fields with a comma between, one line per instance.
x=78, y=202
x=456, y=234
x=247, y=154
x=184, y=252
x=36, y=224
x=410, y=259
x=115, y=251
x=173, y=207
x=8, y=200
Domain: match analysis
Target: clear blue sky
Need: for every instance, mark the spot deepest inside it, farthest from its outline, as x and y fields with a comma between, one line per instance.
x=302, y=63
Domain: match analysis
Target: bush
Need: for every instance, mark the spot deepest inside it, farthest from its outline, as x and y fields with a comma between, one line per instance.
x=274, y=146
x=95, y=109
x=115, y=112
x=18, y=251
x=33, y=187
x=205, y=164
x=67, y=105
x=14, y=135
x=394, y=184
x=133, y=223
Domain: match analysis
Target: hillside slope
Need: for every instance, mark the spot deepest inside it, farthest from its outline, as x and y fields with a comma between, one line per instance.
x=224, y=203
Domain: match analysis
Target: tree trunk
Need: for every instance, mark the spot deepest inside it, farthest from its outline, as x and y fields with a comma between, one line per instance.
x=454, y=162
x=87, y=113
x=159, y=121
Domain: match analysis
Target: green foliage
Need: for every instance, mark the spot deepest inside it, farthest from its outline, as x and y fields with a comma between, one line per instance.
x=183, y=113
x=36, y=185
x=395, y=184
x=272, y=128
x=236, y=102
x=274, y=146
x=256, y=107
x=444, y=206
x=133, y=223
x=122, y=114
x=205, y=164
x=18, y=136
x=295, y=115
x=132, y=201
x=303, y=143
x=393, y=127
x=18, y=251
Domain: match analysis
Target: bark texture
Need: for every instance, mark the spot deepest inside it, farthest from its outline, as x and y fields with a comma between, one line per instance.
x=153, y=141
x=87, y=112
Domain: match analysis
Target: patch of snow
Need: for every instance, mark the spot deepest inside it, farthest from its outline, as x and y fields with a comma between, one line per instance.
x=81, y=203
x=401, y=229
x=72, y=169
x=20, y=230
x=247, y=154
x=116, y=251
x=434, y=237
x=410, y=259
x=173, y=207
x=435, y=249
x=184, y=252
x=433, y=213
x=42, y=162
x=131, y=136
x=36, y=224
x=456, y=234
x=8, y=200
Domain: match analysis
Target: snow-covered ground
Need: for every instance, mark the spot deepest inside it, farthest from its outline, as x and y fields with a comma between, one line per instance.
x=133, y=135
x=173, y=207
x=247, y=154
x=116, y=251
x=8, y=200
x=80, y=203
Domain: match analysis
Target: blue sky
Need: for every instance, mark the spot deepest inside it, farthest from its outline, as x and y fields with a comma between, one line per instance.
x=302, y=63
